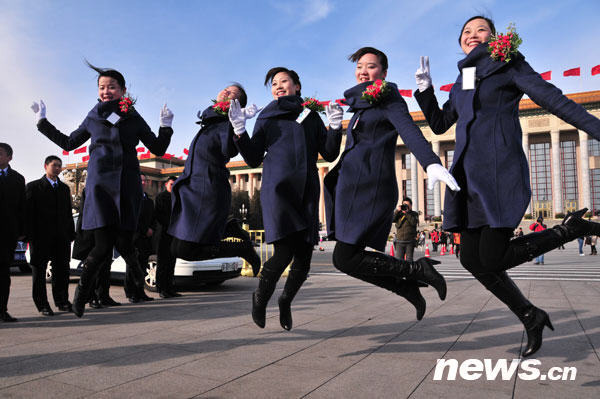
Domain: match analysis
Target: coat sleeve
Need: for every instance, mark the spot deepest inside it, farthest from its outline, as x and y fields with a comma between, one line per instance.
x=67, y=143
x=439, y=120
x=329, y=141
x=228, y=147
x=397, y=113
x=552, y=99
x=252, y=149
x=156, y=144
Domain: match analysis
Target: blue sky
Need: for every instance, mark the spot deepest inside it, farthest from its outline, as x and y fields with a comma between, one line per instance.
x=184, y=52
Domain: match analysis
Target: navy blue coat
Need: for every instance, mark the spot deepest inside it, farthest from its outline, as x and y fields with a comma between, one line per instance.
x=489, y=162
x=201, y=196
x=289, y=193
x=361, y=191
x=114, y=190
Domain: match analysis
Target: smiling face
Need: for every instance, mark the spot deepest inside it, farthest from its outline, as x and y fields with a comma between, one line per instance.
x=474, y=33
x=109, y=89
x=283, y=85
x=369, y=68
x=229, y=93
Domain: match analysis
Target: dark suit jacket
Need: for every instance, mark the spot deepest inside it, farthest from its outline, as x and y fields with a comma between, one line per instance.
x=12, y=206
x=49, y=218
x=146, y=220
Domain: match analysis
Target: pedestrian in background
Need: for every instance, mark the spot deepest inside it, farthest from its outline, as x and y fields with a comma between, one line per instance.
x=165, y=261
x=406, y=221
x=536, y=227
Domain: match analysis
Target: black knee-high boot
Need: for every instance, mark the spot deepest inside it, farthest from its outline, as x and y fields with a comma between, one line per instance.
x=294, y=281
x=379, y=264
x=534, y=319
x=233, y=228
x=525, y=248
x=405, y=288
x=137, y=274
x=86, y=284
x=267, y=281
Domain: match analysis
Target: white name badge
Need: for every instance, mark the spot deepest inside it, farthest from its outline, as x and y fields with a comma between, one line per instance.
x=113, y=118
x=468, y=78
x=303, y=115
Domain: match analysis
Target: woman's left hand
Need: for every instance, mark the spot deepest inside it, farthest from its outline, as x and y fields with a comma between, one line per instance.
x=251, y=111
x=437, y=173
x=334, y=114
x=166, y=117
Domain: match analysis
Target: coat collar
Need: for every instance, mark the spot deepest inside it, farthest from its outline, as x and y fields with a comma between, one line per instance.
x=480, y=58
x=209, y=116
x=353, y=95
x=284, y=106
x=103, y=109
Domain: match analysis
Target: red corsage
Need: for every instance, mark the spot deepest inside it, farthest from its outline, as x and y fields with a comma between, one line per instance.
x=503, y=46
x=313, y=104
x=126, y=103
x=376, y=92
x=221, y=107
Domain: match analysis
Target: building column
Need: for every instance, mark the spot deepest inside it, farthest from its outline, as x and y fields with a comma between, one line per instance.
x=322, y=218
x=437, y=189
x=414, y=183
x=251, y=177
x=584, y=167
x=556, y=175
x=526, y=151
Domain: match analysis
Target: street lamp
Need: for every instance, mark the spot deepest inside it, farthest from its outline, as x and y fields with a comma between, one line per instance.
x=243, y=213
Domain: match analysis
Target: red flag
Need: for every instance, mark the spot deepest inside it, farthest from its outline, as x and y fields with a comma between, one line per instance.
x=572, y=72
x=324, y=103
x=340, y=102
x=546, y=75
x=446, y=87
x=405, y=93
x=145, y=156
x=168, y=156
x=65, y=152
x=181, y=157
x=85, y=158
x=140, y=149
x=81, y=150
x=595, y=70
x=186, y=151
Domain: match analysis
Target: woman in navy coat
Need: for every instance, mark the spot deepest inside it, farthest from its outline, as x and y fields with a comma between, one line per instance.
x=490, y=166
x=292, y=139
x=114, y=190
x=201, y=196
x=361, y=190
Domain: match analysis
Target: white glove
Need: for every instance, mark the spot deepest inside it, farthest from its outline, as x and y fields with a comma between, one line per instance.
x=251, y=111
x=166, y=116
x=39, y=109
x=237, y=117
x=422, y=76
x=437, y=173
x=334, y=114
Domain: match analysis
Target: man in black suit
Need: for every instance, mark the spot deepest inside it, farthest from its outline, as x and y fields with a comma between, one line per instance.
x=142, y=241
x=165, y=263
x=50, y=231
x=12, y=215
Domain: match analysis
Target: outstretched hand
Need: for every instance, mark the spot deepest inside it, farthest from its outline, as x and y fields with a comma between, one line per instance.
x=437, y=173
x=39, y=109
x=166, y=116
x=237, y=117
x=334, y=114
x=423, y=76
x=251, y=111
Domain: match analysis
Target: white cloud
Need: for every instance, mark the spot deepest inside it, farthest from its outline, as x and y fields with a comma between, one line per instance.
x=307, y=11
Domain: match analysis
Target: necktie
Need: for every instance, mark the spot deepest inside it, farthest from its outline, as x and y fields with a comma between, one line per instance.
x=2, y=173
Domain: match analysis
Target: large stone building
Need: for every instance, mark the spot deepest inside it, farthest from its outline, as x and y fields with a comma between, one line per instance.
x=564, y=164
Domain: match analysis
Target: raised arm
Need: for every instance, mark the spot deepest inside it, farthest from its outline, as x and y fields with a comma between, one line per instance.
x=67, y=143
x=552, y=99
x=252, y=149
x=330, y=140
x=157, y=144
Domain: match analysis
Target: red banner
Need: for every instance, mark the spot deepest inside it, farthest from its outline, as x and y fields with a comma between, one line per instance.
x=546, y=75
x=140, y=149
x=446, y=87
x=167, y=156
x=595, y=70
x=186, y=151
x=405, y=93
x=65, y=152
x=85, y=158
x=81, y=150
x=145, y=156
x=572, y=72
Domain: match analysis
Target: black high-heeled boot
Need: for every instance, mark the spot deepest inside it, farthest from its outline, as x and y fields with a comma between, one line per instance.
x=85, y=286
x=534, y=319
x=137, y=275
x=233, y=228
x=294, y=281
x=267, y=282
x=380, y=264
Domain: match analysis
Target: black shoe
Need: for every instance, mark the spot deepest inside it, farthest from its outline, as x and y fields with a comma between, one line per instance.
x=175, y=294
x=95, y=304
x=134, y=299
x=145, y=297
x=534, y=320
x=7, y=318
x=46, y=311
x=165, y=294
x=108, y=301
x=66, y=307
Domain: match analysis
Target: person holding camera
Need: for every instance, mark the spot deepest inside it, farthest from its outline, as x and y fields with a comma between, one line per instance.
x=406, y=221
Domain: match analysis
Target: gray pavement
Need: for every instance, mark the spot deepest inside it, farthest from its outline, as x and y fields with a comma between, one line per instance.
x=350, y=340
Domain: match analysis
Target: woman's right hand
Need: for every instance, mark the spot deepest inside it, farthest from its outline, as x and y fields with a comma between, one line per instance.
x=237, y=117
x=335, y=114
x=39, y=109
x=422, y=76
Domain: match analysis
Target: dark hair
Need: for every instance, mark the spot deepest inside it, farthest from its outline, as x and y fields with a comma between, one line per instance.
x=407, y=199
x=243, y=96
x=292, y=74
x=7, y=148
x=488, y=20
x=109, y=72
x=540, y=219
x=370, y=50
x=51, y=158
x=170, y=178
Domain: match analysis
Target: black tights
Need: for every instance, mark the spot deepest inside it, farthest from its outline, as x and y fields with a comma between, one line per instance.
x=347, y=257
x=292, y=247
x=485, y=252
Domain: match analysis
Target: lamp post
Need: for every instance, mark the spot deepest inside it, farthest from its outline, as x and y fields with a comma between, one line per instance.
x=243, y=213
